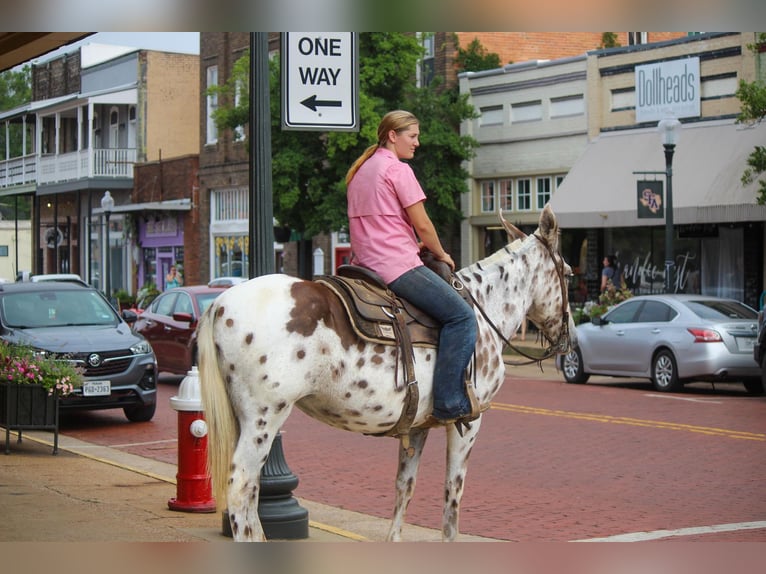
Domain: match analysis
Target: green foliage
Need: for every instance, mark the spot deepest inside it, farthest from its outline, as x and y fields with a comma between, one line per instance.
x=23, y=366
x=752, y=95
x=15, y=90
x=608, y=299
x=309, y=167
x=146, y=295
x=609, y=40
x=475, y=58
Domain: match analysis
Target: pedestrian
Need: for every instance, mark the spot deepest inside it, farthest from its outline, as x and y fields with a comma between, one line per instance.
x=173, y=278
x=388, y=225
x=609, y=272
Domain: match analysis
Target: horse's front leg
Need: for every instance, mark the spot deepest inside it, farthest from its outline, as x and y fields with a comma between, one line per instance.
x=458, y=451
x=406, y=476
x=253, y=447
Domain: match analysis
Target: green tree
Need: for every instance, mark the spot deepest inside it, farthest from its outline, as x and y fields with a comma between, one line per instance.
x=753, y=98
x=15, y=90
x=609, y=40
x=309, y=168
x=475, y=58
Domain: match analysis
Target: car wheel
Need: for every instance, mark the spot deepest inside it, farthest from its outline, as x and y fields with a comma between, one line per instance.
x=572, y=367
x=665, y=372
x=140, y=414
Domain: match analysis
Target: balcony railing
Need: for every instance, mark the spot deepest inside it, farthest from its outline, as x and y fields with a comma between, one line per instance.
x=109, y=162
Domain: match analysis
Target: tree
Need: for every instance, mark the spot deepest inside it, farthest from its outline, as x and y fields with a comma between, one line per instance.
x=609, y=40
x=475, y=58
x=309, y=168
x=753, y=98
x=15, y=90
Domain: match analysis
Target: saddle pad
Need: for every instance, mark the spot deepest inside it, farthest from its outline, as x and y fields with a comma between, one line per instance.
x=371, y=310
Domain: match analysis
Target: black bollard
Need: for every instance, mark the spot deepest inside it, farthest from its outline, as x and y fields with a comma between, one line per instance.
x=281, y=516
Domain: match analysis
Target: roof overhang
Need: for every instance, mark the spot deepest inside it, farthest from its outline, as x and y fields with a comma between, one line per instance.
x=601, y=188
x=19, y=47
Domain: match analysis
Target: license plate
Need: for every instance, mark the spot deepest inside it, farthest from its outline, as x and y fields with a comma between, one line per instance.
x=745, y=343
x=96, y=388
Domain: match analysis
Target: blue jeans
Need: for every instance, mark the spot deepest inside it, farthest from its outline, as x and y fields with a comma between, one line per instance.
x=457, y=339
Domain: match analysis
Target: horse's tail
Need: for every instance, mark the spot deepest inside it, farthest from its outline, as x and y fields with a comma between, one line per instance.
x=222, y=429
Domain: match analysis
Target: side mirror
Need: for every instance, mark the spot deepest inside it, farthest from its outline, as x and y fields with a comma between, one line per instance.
x=183, y=317
x=129, y=316
x=598, y=320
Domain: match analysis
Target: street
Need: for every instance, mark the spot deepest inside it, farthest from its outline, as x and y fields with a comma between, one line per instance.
x=553, y=461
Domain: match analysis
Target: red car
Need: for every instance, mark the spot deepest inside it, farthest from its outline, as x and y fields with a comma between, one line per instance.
x=169, y=323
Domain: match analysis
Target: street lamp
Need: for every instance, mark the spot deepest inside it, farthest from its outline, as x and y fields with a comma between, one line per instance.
x=670, y=131
x=107, y=206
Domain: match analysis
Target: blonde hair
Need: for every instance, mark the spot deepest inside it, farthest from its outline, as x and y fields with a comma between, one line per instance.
x=397, y=120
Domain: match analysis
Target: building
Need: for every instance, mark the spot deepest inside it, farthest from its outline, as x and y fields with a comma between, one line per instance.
x=588, y=138
x=98, y=111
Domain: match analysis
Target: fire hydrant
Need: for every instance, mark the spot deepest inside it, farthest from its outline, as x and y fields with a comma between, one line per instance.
x=193, y=489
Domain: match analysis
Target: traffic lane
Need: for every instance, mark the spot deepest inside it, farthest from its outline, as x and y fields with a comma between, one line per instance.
x=558, y=462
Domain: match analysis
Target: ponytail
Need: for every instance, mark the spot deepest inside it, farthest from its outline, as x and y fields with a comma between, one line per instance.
x=359, y=161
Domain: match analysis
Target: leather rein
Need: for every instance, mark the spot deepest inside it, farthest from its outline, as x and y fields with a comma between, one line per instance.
x=557, y=347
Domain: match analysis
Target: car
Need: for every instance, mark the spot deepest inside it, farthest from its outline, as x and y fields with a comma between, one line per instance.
x=226, y=281
x=671, y=339
x=67, y=277
x=169, y=323
x=77, y=323
x=759, y=350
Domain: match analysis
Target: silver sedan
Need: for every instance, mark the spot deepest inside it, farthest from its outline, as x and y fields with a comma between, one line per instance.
x=671, y=340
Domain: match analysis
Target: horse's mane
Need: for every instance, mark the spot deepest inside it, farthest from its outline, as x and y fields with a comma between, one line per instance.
x=500, y=254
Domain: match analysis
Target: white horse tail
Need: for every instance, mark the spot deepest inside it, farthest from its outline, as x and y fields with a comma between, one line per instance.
x=222, y=428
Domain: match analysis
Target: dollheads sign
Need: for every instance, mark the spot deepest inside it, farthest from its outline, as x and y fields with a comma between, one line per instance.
x=320, y=81
x=668, y=89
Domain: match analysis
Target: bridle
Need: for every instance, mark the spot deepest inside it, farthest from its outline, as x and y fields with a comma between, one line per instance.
x=556, y=347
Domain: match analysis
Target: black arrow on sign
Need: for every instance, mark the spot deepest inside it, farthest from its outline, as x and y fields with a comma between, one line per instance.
x=312, y=103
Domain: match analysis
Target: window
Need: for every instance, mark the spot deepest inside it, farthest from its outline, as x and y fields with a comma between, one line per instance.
x=506, y=194
x=491, y=115
x=212, y=105
x=426, y=69
x=636, y=38
x=527, y=112
x=568, y=106
x=524, y=195
x=543, y=191
x=3, y=251
x=488, y=196
x=230, y=204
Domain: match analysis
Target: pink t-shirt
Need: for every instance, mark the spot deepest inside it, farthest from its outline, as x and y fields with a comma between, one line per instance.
x=382, y=237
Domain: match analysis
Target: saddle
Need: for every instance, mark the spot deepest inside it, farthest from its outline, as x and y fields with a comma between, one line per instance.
x=377, y=315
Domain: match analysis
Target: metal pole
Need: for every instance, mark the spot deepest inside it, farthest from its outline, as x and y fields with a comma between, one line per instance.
x=108, y=279
x=669, y=251
x=261, y=237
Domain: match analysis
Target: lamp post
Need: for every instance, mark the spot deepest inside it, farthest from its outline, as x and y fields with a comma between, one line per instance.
x=107, y=205
x=669, y=129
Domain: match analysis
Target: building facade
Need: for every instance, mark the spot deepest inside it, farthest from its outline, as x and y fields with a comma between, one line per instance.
x=97, y=112
x=594, y=132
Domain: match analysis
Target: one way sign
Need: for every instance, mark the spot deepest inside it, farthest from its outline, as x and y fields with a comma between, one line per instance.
x=320, y=81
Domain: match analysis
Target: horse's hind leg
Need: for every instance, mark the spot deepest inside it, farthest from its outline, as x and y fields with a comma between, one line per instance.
x=458, y=451
x=406, y=476
x=253, y=447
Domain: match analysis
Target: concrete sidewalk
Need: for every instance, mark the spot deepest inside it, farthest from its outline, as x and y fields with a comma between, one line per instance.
x=92, y=493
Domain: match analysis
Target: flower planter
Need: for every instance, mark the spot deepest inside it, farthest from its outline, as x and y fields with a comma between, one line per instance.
x=28, y=407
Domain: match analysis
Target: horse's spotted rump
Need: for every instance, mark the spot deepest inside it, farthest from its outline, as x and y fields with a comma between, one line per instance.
x=249, y=339
x=229, y=322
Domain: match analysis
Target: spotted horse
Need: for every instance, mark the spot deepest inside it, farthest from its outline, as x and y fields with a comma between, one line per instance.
x=275, y=342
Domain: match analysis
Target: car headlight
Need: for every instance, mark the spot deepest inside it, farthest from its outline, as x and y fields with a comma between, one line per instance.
x=141, y=348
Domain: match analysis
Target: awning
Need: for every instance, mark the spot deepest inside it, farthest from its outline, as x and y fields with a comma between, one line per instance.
x=169, y=205
x=600, y=189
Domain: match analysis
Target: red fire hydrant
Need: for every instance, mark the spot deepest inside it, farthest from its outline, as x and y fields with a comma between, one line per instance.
x=193, y=489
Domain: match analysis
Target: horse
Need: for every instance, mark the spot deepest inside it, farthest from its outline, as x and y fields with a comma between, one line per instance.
x=276, y=342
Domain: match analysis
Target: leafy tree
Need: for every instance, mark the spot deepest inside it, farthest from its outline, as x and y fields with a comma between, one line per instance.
x=753, y=98
x=15, y=90
x=609, y=40
x=475, y=58
x=309, y=168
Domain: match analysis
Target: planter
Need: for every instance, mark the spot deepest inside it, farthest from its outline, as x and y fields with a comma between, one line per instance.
x=28, y=407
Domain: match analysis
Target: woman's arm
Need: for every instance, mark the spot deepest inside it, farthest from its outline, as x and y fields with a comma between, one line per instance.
x=426, y=231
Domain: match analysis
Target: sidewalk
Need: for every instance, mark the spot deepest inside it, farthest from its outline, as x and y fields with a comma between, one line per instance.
x=91, y=493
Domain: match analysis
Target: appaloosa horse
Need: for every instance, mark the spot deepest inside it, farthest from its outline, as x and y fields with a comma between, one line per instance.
x=276, y=341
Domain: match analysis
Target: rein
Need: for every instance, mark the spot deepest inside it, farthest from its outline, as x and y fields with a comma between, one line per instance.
x=556, y=347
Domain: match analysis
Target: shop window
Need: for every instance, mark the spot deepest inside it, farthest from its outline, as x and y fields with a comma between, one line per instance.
x=524, y=195
x=488, y=196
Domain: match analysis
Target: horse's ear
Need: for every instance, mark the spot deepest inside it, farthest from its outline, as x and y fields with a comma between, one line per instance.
x=549, y=227
x=513, y=232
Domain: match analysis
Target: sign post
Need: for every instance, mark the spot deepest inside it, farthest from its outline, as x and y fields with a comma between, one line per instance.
x=320, y=81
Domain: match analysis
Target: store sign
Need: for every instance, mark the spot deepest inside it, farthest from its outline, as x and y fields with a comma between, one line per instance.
x=650, y=200
x=668, y=89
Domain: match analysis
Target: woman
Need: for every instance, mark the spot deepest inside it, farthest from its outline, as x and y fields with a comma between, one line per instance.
x=608, y=273
x=173, y=279
x=386, y=217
